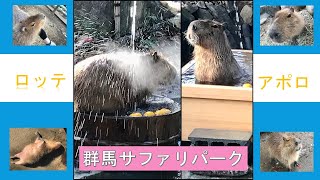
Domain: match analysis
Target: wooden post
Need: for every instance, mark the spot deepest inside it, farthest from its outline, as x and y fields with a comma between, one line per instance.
x=117, y=18
x=56, y=8
x=125, y=19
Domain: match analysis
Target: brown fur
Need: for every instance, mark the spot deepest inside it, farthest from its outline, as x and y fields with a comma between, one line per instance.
x=286, y=26
x=286, y=149
x=113, y=82
x=215, y=63
x=33, y=152
x=26, y=28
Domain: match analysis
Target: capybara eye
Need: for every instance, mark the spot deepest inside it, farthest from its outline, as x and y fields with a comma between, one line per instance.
x=194, y=27
x=297, y=143
x=215, y=26
x=289, y=15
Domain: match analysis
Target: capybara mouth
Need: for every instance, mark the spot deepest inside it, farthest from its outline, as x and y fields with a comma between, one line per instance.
x=276, y=37
x=193, y=39
x=299, y=147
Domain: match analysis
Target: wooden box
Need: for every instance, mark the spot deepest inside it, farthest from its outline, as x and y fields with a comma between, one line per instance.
x=215, y=107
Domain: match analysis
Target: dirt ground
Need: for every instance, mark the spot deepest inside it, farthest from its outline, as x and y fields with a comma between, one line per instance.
x=20, y=137
x=54, y=27
x=306, y=157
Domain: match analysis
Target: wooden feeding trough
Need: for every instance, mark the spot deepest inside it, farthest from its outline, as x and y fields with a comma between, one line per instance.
x=216, y=107
x=100, y=129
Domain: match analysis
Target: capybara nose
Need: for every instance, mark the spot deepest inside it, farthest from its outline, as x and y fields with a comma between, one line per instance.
x=275, y=35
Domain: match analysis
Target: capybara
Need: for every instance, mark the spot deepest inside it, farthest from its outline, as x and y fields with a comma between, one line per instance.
x=284, y=148
x=286, y=25
x=26, y=28
x=113, y=82
x=34, y=152
x=215, y=63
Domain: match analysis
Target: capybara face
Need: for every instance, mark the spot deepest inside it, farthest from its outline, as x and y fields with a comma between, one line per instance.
x=164, y=71
x=285, y=25
x=292, y=143
x=202, y=32
x=53, y=145
x=33, y=23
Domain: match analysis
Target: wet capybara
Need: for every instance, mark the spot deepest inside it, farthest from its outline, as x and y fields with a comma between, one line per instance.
x=286, y=25
x=215, y=63
x=113, y=82
x=25, y=27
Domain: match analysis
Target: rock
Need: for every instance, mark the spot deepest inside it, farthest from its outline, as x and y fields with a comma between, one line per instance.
x=156, y=6
x=283, y=7
x=263, y=18
x=203, y=14
x=306, y=38
x=186, y=16
x=176, y=20
x=310, y=9
x=271, y=10
x=201, y=4
x=212, y=9
x=190, y=7
x=247, y=35
x=172, y=6
x=297, y=8
x=241, y=4
x=235, y=44
x=186, y=19
x=246, y=14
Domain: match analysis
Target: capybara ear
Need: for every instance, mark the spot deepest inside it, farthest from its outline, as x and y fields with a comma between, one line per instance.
x=224, y=25
x=38, y=134
x=285, y=138
x=155, y=56
x=291, y=11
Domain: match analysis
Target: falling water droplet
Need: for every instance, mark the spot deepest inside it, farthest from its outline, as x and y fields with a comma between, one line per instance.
x=90, y=115
x=95, y=117
x=102, y=117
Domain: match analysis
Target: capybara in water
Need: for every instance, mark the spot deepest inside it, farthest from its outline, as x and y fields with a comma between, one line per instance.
x=26, y=28
x=34, y=152
x=215, y=63
x=284, y=148
x=116, y=81
x=286, y=25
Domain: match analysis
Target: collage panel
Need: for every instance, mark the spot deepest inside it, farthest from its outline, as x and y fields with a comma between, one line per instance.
x=286, y=151
x=286, y=25
x=38, y=148
x=39, y=25
x=96, y=89
x=217, y=63
x=126, y=78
